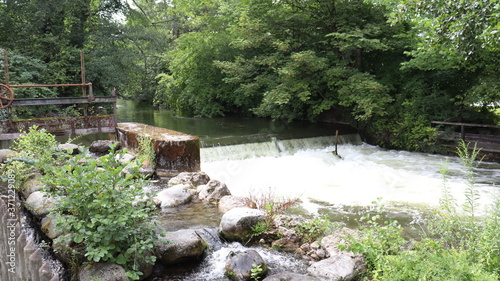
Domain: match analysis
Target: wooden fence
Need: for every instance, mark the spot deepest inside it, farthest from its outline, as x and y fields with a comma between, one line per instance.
x=20, y=260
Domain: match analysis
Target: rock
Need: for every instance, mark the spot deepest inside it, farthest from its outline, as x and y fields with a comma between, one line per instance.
x=229, y=202
x=125, y=158
x=289, y=276
x=31, y=186
x=214, y=190
x=64, y=252
x=286, y=244
x=145, y=267
x=102, y=272
x=331, y=242
x=103, y=146
x=192, y=178
x=181, y=246
x=237, y=223
x=175, y=196
x=315, y=245
x=145, y=170
x=6, y=154
x=340, y=267
x=49, y=227
x=240, y=265
x=39, y=204
x=70, y=148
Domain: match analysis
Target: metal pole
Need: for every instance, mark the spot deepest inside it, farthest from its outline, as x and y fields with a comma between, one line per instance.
x=336, y=140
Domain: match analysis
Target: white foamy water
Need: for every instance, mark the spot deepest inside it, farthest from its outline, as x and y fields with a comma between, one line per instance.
x=296, y=169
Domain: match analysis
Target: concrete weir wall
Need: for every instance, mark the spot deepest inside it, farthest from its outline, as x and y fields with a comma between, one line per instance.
x=175, y=152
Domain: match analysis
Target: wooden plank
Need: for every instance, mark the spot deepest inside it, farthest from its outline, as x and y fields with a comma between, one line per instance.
x=84, y=131
x=465, y=124
x=68, y=100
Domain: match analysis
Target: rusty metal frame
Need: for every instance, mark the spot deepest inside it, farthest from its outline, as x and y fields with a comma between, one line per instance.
x=84, y=99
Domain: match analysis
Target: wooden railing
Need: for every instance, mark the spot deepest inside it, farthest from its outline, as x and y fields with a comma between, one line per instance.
x=86, y=124
x=487, y=140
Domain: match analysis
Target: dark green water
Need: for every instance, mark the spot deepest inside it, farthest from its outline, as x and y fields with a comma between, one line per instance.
x=214, y=131
x=225, y=130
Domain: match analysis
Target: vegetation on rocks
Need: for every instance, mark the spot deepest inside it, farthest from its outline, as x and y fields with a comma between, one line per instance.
x=99, y=208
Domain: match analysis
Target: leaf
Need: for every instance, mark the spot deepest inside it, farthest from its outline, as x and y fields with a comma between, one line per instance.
x=78, y=239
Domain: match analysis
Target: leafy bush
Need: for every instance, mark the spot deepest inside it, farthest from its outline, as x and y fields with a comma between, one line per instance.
x=314, y=229
x=34, y=153
x=98, y=208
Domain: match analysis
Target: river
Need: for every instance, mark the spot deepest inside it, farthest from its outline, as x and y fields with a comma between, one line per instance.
x=256, y=156
x=296, y=159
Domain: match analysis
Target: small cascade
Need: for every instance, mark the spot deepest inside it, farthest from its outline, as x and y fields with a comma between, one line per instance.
x=213, y=266
x=273, y=148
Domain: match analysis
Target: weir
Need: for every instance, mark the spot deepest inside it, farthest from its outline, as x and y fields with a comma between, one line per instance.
x=274, y=147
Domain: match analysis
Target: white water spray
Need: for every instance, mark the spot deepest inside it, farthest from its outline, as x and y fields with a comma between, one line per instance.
x=308, y=169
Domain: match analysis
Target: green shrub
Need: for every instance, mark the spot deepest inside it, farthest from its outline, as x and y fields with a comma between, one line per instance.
x=35, y=151
x=97, y=209
x=314, y=229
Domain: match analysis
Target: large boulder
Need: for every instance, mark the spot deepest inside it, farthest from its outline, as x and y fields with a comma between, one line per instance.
x=237, y=223
x=102, y=272
x=290, y=276
x=49, y=227
x=341, y=267
x=192, y=178
x=214, y=190
x=6, y=154
x=181, y=246
x=69, y=148
x=31, y=186
x=239, y=266
x=103, y=146
x=39, y=204
x=175, y=196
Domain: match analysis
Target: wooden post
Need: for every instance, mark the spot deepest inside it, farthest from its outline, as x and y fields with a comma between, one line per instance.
x=462, y=132
x=6, y=66
x=82, y=67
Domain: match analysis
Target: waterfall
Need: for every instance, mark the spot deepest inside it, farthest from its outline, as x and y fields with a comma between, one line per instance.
x=273, y=147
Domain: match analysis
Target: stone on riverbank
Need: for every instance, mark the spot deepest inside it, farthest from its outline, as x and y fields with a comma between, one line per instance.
x=39, y=204
x=229, y=202
x=289, y=276
x=340, y=267
x=237, y=223
x=192, y=178
x=214, y=190
x=6, y=154
x=49, y=227
x=103, y=146
x=70, y=148
x=102, y=272
x=175, y=196
x=239, y=266
x=31, y=186
x=181, y=246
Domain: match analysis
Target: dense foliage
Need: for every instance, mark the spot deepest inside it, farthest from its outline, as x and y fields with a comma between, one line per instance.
x=386, y=66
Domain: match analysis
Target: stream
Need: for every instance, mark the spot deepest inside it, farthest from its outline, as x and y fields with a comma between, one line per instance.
x=297, y=160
